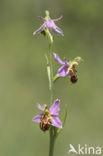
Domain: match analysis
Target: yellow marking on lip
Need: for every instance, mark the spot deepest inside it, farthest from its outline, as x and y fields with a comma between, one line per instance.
x=46, y=111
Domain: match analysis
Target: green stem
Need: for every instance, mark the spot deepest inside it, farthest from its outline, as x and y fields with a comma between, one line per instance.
x=51, y=74
x=52, y=142
x=52, y=136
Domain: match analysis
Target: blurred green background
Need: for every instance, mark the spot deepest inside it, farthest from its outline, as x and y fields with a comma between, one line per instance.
x=24, y=82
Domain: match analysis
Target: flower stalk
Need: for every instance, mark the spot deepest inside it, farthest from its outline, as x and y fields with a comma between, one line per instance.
x=51, y=132
x=52, y=142
x=51, y=73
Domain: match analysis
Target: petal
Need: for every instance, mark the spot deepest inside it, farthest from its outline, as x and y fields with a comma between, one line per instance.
x=59, y=31
x=56, y=32
x=50, y=24
x=63, y=71
x=56, y=122
x=40, y=107
x=37, y=118
x=57, y=19
x=42, y=19
x=57, y=58
x=39, y=29
x=54, y=109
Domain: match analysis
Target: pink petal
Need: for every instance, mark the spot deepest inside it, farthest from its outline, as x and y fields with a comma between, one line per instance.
x=39, y=30
x=56, y=122
x=50, y=24
x=63, y=71
x=40, y=107
x=59, y=31
x=55, y=20
x=57, y=58
x=54, y=109
x=42, y=19
x=37, y=118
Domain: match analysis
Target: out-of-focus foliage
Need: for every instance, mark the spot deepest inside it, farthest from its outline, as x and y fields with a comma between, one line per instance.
x=23, y=75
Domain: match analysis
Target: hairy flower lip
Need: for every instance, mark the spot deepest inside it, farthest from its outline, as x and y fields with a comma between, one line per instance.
x=52, y=114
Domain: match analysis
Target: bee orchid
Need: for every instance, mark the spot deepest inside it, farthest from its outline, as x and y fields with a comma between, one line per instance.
x=49, y=117
x=68, y=68
x=49, y=23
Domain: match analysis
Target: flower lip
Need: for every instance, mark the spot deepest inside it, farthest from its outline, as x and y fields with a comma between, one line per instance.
x=45, y=122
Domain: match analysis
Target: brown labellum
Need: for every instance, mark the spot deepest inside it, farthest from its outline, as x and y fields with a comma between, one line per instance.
x=73, y=75
x=73, y=79
x=45, y=123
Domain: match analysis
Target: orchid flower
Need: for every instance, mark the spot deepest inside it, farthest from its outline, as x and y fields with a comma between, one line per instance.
x=49, y=23
x=68, y=68
x=49, y=117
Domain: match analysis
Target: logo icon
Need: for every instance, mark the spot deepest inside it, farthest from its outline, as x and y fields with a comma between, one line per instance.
x=72, y=149
x=85, y=150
